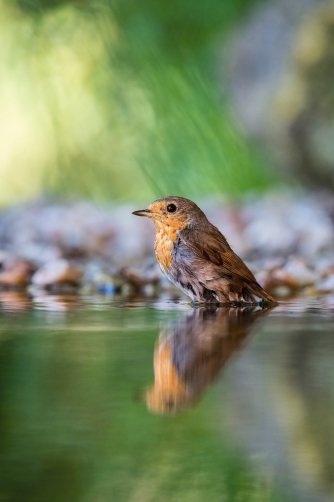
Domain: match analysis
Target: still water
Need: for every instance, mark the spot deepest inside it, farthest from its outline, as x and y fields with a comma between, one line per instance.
x=152, y=400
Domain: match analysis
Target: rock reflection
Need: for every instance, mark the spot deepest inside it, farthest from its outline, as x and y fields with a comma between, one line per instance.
x=14, y=301
x=190, y=353
x=17, y=301
x=57, y=303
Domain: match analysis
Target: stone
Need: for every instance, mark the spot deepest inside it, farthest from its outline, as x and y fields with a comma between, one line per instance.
x=281, y=282
x=57, y=272
x=326, y=285
x=300, y=270
x=16, y=272
x=137, y=280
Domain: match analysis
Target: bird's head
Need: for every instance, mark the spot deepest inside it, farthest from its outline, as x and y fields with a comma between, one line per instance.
x=173, y=211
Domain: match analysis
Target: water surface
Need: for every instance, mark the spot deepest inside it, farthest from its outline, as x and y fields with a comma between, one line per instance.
x=150, y=399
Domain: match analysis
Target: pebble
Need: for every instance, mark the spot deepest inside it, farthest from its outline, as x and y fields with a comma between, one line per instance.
x=108, y=289
x=286, y=239
x=16, y=272
x=281, y=282
x=326, y=285
x=138, y=280
x=301, y=271
x=57, y=272
x=328, y=271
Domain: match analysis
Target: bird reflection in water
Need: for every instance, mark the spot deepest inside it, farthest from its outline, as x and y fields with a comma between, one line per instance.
x=190, y=353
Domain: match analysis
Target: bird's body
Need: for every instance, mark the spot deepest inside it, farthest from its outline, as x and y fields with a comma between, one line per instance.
x=197, y=258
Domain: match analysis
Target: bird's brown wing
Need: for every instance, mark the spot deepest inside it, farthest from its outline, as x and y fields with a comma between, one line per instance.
x=209, y=245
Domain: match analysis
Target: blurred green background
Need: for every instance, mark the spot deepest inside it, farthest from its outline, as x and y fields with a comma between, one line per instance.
x=119, y=100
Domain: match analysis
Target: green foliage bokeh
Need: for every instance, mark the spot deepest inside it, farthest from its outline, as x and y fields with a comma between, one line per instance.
x=111, y=99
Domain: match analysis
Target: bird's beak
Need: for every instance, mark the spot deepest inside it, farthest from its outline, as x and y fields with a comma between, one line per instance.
x=142, y=212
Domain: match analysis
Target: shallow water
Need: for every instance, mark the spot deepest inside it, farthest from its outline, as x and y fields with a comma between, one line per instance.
x=149, y=399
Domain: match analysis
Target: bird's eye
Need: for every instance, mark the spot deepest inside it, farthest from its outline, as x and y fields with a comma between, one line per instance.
x=171, y=208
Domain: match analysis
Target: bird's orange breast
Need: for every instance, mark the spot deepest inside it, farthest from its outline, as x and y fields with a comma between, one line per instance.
x=165, y=238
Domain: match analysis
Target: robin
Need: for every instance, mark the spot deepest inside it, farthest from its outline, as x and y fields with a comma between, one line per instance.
x=197, y=258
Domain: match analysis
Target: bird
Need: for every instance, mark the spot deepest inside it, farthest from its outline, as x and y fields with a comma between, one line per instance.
x=196, y=257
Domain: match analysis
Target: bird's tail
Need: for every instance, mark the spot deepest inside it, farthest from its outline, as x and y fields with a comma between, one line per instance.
x=255, y=289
